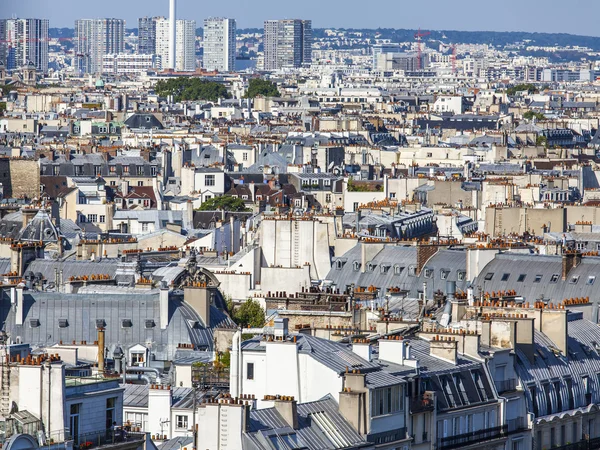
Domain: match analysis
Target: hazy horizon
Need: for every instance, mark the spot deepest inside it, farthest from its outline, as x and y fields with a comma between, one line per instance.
x=460, y=15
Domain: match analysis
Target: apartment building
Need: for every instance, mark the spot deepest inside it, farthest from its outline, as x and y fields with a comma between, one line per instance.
x=95, y=38
x=287, y=43
x=185, y=57
x=219, y=45
x=24, y=41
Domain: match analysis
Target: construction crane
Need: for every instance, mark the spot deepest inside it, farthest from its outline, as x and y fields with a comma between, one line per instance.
x=419, y=35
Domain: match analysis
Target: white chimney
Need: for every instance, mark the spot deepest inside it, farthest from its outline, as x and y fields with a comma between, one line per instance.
x=172, y=33
x=392, y=350
x=164, y=306
x=362, y=349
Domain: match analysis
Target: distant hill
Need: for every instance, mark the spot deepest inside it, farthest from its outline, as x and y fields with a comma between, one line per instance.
x=495, y=38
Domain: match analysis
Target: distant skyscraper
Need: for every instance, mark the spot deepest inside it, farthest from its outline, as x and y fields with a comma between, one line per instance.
x=95, y=38
x=219, y=44
x=24, y=41
x=172, y=33
x=147, y=36
x=185, y=57
x=287, y=43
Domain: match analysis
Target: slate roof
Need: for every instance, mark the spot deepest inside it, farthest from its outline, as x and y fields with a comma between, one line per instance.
x=83, y=309
x=320, y=426
x=405, y=257
x=516, y=264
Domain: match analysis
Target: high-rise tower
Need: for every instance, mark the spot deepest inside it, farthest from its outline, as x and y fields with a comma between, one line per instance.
x=172, y=34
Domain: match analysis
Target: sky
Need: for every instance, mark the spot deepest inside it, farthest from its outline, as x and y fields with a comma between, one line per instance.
x=556, y=16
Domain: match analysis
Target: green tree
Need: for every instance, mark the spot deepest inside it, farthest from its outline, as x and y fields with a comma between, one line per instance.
x=191, y=89
x=530, y=115
x=249, y=314
x=259, y=86
x=225, y=203
x=530, y=88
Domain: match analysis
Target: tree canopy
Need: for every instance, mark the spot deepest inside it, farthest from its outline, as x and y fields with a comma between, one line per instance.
x=249, y=314
x=191, y=89
x=259, y=86
x=533, y=114
x=530, y=88
x=225, y=203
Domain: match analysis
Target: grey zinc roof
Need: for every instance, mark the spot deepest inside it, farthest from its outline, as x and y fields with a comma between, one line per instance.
x=551, y=367
x=268, y=430
x=81, y=312
x=451, y=261
x=73, y=268
x=516, y=264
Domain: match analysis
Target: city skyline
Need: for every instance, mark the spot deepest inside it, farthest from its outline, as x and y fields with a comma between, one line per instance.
x=464, y=15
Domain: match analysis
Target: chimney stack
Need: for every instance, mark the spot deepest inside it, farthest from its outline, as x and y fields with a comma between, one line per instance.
x=101, y=350
x=287, y=407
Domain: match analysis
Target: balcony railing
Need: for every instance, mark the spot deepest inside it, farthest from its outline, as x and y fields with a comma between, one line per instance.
x=516, y=425
x=473, y=437
x=422, y=403
x=506, y=385
x=107, y=437
x=591, y=444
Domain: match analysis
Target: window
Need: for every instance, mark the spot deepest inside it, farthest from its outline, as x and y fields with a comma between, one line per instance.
x=112, y=169
x=102, y=219
x=125, y=169
x=140, y=170
x=448, y=392
x=558, y=393
x=384, y=269
x=209, y=180
x=444, y=274
x=326, y=182
x=74, y=421
x=521, y=278
x=386, y=401
x=92, y=218
x=110, y=412
x=489, y=276
x=250, y=371
x=398, y=269
x=153, y=171
x=137, y=359
x=461, y=275
x=570, y=393
x=591, y=280
x=532, y=393
x=328, y=198
x=505, y=277
x=412, y=271
x=574, y=279
x=479, y=384
x=371, y=267
x=145, y=226
x=356, y=266
x=140, y=183
x=181, y=422
x=554, y=278
x=245, y=156
x=428, y=273
x=538, y=278
x=548, y=398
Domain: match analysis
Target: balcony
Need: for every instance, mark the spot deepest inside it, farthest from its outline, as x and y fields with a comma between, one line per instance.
x=586, y=444
x=422, y=403
x=506, y=385
x=473, y=438
x=108, y=438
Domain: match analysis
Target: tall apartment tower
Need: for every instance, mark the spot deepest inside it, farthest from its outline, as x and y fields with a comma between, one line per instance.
x=219, y=45
x=95, y=38
x=185, y=40
x=24, y=41
x=172, y=34
x=287, y=44
x=146, y=36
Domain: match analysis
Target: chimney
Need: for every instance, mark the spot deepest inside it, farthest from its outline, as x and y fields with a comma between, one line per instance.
x=469, y=345
x=554, y=324
x=570, y=260
x=28, y=214
x=19, y=307
x=287, y=407
x=200, y=298
x=424, y=254
x=444, y=349
x=362, y=349
x=164, y=305
x=101, y=350
x=392, y=350
x=352, y=404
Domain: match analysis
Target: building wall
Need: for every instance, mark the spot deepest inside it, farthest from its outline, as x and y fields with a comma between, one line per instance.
x=219, y=45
